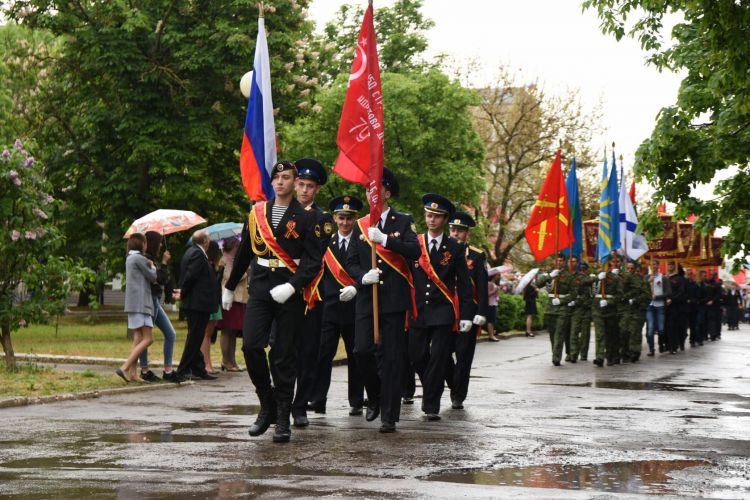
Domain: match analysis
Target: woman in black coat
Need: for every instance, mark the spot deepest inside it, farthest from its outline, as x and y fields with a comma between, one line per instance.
x=529, y=297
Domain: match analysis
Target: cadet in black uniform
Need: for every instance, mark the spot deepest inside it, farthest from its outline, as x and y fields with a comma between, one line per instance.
x=311, y=176
x=464, y=344
x=444, y=302
x=381, y=365
x=276, y=243
x=337, y=290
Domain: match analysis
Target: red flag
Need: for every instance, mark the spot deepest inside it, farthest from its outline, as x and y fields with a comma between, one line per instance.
x=360, y=136
x=632, y=192
x=549, y=228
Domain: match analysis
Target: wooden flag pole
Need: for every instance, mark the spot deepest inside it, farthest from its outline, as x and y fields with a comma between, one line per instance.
x=625, y=245
x=261, y=10
x=557, y=227
x=375, y=315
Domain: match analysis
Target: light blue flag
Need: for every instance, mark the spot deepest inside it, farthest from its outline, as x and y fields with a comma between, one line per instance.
x=609, y=215
x=571, y=186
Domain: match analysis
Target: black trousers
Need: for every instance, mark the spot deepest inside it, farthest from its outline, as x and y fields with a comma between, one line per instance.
x=701, y=325
x=675, y=325
x=192, y=359
x=713, y=322
x=733, y=317
x=261, y=312
x=457, y=374
x=429, y=350
x=410, y=386
x=692, y=322
x=381, y=365
x=307, y=359
x=329, y=344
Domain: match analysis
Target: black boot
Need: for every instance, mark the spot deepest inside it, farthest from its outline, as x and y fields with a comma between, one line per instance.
x=266, y=414
x=283, y=431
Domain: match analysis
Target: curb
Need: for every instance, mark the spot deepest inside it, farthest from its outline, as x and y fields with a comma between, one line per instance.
x=55, y=398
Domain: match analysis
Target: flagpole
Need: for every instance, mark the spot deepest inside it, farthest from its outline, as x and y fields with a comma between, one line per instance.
x=260, y=9
x=625, y=246
x=374, y=264
x=557, y=223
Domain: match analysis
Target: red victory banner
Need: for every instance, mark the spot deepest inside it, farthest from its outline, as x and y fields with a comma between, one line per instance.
x=360, y=135
x=549, y=229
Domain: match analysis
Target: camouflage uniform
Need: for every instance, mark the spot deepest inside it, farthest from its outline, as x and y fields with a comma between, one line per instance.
x=566, y=292
x=606, y=321
x=580, y=321
x=641, y=299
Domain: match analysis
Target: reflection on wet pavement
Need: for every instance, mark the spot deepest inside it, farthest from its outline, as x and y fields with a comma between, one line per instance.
x=648, y=476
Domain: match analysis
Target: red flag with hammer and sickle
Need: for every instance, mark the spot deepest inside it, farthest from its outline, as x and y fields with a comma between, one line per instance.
x=549, y=229
x=360, y=136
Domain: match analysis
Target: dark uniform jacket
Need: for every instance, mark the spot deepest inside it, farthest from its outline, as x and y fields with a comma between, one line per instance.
x=394, y=293
x=475, y=261
x=342, y=312
x=679, y=291
x=198, y=282
x=433, y=307
x=297, y=235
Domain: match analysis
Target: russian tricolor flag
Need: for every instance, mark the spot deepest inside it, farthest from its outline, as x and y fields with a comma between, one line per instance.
x=258, y=154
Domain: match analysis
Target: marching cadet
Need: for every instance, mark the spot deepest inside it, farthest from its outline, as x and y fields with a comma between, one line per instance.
x=280, y=239
x=580, y=319
x=395, y=242
x=636, y=294
x=444, y=302
x=622, y=306
x=676, y=320
x=563, y=296
x=311, y=177
x=550, y=311
x=464, y=344
x=338, y=290
x=604, y=313
x=703, y=296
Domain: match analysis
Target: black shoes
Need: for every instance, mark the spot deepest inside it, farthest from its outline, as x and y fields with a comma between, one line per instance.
x=599, y=362
x=265, y=415
x=207, y=376
x=387, y=427
x=432, y=417
x=650, y=353
x=172, y=377
x=283, y=432
x=317, y=406
x=556, y=363
x=408, y=400
x=457, y=405
x=150, y=376
x=355, y=411
x=372, y=413
x=300, y=420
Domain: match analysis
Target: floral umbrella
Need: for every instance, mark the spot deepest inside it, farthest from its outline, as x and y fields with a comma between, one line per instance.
x=165, y=221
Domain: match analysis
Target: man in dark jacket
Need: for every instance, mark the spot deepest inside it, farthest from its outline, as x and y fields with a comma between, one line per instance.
x=444, y=302
x=198, y=299
x=395, y=242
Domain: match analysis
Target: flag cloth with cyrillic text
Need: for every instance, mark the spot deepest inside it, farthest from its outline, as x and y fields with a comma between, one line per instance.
x=549, y=229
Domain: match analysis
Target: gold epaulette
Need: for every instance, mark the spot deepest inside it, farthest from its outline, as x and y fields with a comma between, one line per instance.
x=476, y=249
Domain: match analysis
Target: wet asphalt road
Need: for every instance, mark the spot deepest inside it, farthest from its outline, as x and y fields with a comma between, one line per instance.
x=673, y=426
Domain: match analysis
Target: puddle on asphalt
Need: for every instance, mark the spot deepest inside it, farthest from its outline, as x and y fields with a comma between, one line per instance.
x=225, y=410
x=162, y=437
x=627, y=385
x=617, y=408
x=647, y=476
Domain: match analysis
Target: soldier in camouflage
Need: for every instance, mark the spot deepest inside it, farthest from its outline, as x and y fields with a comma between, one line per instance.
x=604, y=312
x=562, y=300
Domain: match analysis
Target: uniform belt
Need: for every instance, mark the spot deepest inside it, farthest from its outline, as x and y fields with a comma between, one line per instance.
x=599, y=296
x=272, y=263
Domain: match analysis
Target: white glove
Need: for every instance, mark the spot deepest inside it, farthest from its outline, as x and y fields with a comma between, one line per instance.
x=464, y=325
x=592, y=275
x=371, y=277
x=555, y=302
x=616, y=271
x=281, y=293
x=630, y=301
x=554, y=273
x=479, y=320
x=602, y=303
x=376, y=235
x=572, y=303
x=602, y=275
x=227, y=297
x=347, y=293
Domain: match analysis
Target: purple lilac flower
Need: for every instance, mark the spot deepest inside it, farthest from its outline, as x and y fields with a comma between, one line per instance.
x=13, y=176
x=6, y=154
x=29, y=162
x=40, y=213
x=15, y=235
x=30, y=235
x=18, y=144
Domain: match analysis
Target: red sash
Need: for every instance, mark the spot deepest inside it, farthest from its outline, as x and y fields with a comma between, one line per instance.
x=426, y=265
x=396, y=261
x=310, y=293
x=337, y=270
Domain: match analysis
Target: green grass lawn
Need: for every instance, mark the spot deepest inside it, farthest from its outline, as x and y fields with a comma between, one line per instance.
x=31, y=380
x=106, y=337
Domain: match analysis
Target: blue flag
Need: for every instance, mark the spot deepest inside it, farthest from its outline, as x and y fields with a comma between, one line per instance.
x=571, y=186
x=609, y=214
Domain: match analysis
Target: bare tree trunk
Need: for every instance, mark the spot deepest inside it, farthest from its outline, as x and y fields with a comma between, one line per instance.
x=10, y=356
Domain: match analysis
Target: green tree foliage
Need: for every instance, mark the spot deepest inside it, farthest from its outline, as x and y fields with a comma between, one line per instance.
x=430, y=142
x=143, y=109
x=707, y=130
x=33, y=285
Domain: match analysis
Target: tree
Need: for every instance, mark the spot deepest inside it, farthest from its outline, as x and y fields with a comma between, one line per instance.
x=33, y=285
x=430, y=142
x=143, y=110
x=706, y=132
x=521, y=127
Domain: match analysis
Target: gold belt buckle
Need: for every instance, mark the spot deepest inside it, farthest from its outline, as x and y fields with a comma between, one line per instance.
x=273, y=263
